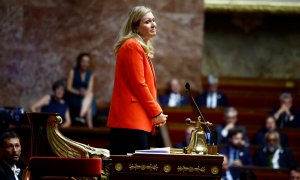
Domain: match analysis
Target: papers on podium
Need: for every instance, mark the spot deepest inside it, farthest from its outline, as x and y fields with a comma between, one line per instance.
x=164, y=150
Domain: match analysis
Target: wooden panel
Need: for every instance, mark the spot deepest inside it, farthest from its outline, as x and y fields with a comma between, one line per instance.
x=267, y=173
x=160, y=167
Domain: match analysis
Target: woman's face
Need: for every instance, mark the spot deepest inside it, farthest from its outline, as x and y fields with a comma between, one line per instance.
x=147, y=27
x=85, y=63
x=59, y=92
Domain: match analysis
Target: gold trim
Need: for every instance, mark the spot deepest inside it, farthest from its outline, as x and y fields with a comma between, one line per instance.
x=214, y=170
x=258, y=6
x=118, y=166
x=167, y=168
x=143, y=167
x=191, y=169
x=65, y=147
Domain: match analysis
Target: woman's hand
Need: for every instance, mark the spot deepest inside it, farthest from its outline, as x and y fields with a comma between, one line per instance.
x=160, y=120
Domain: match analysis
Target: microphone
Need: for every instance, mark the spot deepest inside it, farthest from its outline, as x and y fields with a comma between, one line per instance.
x=189, y=121
x=188, y=87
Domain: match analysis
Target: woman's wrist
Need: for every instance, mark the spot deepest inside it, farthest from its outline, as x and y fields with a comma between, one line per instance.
x=156, y=118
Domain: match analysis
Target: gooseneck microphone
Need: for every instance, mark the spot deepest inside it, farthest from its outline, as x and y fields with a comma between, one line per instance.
x=188, y=87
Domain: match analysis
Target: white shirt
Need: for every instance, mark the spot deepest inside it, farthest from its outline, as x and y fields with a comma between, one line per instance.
x=174, y=99
x=15, y=170
x=211, y=100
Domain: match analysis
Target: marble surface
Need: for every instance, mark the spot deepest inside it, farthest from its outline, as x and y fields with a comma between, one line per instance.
x=41, y=39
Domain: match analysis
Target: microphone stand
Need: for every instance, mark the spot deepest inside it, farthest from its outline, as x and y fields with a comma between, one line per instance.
x=199, y=137
x=188, y=87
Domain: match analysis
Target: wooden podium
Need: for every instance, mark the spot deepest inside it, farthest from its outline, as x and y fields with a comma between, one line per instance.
x=166, y=166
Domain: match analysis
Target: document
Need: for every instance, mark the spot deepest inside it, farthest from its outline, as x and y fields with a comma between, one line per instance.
x=164, y=150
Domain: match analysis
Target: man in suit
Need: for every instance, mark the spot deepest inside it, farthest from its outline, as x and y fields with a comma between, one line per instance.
x=231, y=119
x=286, y=115
x=173, y=96
x=212, y=98
x=273, y=155
x=10, y=148
x=236, y=154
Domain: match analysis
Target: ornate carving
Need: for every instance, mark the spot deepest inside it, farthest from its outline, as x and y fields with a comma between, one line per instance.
x=258, y=6
x=118, y=166
x=143, y=167
x=191, y=169
x=65, y=147
x=167, y=168
x=214, y=170
x=246, y=22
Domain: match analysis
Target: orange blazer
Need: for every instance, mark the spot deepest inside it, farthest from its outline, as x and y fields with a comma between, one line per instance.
x=134, y=98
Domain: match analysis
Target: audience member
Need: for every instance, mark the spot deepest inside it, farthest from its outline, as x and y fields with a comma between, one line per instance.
x=55, y=103
x=212, y=97
x=295, y=174
x=273, y=155
x=80, y=84
x=270, y=125
x=186, y=142
x=230, y=117
x=226, y=174
x=10, y=148
x=235, y=154
x=286, y=115
x=173, y=96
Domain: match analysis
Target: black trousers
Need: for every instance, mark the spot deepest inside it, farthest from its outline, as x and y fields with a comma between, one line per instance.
x=123, y=141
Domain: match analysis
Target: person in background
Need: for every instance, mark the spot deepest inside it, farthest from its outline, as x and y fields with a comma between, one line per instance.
x=269, y=125
x=134, y=110
x=80, y=84
x=10, y=148
x=235, y=154
x=286, y=115
x=273, y=155
x=212, y=97
x=55, y=103
x=173, y=96
x=231, y=118
x=186, y=142
x=295, y=173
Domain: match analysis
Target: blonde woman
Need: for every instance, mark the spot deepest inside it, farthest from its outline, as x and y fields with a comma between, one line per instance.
x=134, y=109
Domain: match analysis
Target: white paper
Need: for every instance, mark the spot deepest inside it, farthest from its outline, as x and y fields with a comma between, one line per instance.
x=164, y=150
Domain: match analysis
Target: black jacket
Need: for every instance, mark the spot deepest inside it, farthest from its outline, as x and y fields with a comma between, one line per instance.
x=6, y=173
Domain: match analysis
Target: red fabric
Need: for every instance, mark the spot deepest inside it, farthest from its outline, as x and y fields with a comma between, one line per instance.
x=134, y=99
x=60, y=166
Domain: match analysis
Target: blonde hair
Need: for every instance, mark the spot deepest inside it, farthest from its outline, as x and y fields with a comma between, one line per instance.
x=129, y=27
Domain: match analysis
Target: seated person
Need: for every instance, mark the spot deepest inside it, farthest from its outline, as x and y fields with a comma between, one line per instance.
x=235, y=153
x=273, y=155
x=270, y=125
x=80, y=96
x=212, y=97
x=230, y=117
x=186, y=142
x=295, y=174
x=286, y=115
x=55, y=103
x=173, y=96
x=10, y=150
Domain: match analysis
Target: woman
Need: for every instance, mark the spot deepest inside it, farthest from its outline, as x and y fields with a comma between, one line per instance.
x=55, y=103
x=80, y=88
x=134, y=108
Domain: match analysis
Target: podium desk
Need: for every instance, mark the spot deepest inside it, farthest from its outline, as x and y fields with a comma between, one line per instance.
x=166, y=166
